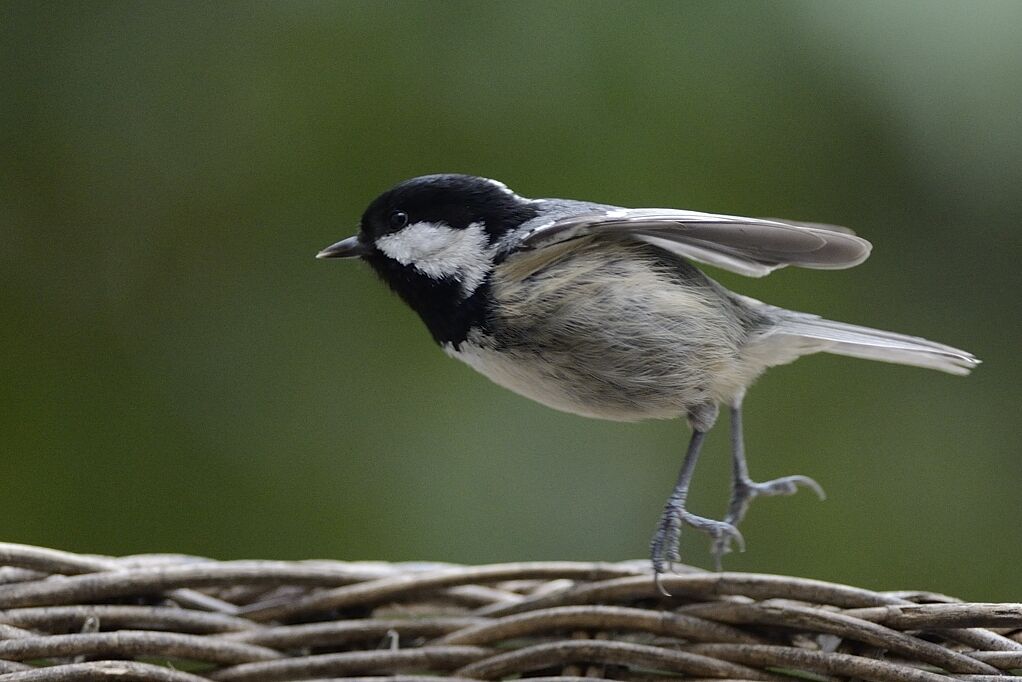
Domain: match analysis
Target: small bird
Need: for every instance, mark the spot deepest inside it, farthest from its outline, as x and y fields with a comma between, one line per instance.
x=598, y=310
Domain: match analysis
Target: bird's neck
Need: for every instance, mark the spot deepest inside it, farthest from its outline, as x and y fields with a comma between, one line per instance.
x=441, y=303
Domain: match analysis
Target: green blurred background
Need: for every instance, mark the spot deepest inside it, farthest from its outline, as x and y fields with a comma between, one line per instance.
x=179, y=373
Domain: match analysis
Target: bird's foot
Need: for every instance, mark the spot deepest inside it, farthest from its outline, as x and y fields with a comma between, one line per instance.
x=787, y=485
x=664, y=547
x=745, y=491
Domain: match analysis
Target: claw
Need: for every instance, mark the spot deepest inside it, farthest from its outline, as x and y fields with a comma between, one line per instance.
x=718, y=556
x=722, y=546
x=737, y=537
x=666, y=530
x=812, y=485
x=664, y=547
x=657, y=575
x=718, y=530
x=744, y=492
x=788, y=485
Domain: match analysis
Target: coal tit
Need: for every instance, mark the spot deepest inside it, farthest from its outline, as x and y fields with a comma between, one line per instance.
x=598, y=310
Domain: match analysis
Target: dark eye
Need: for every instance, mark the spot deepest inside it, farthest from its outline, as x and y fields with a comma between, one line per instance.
x=398, y=219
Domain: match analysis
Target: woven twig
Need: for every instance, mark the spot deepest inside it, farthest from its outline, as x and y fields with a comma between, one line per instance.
x=181, y=619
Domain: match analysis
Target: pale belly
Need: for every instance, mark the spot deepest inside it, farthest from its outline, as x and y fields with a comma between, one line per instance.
x=559, y=389
x=610, y=332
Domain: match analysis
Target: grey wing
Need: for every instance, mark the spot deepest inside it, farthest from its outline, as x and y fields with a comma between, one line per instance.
x=748, y=246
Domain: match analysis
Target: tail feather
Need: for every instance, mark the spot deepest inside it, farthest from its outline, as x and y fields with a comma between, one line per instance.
x=874, y=344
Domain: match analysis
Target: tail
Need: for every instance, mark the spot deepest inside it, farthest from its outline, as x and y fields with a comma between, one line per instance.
x=872, y=344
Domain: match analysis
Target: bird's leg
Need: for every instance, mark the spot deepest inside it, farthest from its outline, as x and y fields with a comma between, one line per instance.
x=744, y=489
x=664, y=547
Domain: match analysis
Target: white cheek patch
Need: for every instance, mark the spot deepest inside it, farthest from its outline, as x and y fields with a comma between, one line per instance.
x=439, y=251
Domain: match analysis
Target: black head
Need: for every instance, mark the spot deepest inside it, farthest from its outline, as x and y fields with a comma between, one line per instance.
x=456, y=201
x=432, y=240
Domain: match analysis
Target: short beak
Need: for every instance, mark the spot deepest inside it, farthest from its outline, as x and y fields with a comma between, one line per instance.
x=346, y=248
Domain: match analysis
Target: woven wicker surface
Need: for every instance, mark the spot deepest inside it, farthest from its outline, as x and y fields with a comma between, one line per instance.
x=160, y=617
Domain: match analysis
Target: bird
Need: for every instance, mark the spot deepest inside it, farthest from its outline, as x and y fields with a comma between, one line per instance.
x=600, y=311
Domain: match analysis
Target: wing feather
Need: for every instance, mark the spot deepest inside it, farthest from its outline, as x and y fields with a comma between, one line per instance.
x=748, y=246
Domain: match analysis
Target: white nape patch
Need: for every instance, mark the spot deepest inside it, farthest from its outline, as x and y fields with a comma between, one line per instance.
x=501, y=186
x=510, y=192
x=439, y=251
